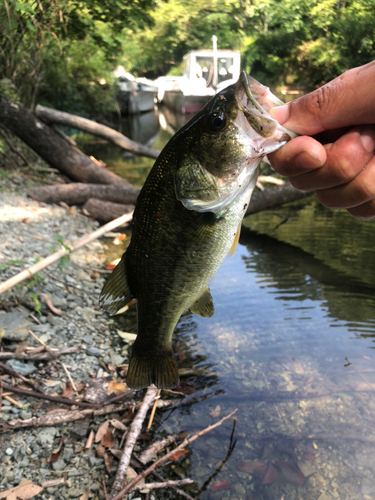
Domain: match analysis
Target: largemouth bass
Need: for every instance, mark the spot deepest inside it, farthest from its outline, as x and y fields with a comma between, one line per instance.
x=187, y=219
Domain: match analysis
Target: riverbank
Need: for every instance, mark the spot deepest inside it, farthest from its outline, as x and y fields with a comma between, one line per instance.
x=28, y=231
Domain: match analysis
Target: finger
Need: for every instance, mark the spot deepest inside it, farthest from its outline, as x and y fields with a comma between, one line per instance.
x=345, y=160
x=356, y=192
x=345, y=101
x=366, y=211
x=299, y=155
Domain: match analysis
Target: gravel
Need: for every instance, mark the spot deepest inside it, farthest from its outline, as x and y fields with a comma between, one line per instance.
x=28, y=231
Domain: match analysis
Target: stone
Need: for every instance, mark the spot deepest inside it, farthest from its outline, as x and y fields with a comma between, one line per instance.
x=21, y=367
x=14, y=326
x=46, y=436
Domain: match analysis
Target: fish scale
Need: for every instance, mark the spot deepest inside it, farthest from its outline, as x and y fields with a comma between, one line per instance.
x=185, y=222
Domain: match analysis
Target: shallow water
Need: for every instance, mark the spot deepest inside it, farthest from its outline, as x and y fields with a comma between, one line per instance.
x=291, y=347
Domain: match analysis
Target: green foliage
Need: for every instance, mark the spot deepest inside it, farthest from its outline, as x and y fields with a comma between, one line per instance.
x=64, y=261
x=36, y=302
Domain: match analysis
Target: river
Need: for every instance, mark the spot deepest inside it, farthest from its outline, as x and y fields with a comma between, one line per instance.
x=291, y=347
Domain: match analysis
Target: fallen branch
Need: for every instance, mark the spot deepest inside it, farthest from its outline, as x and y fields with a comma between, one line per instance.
x=12, y=372
x=65, y=416
x=273, y=197
x=78, y=193
x=94, y=128
x=39, y=353
x=131, y=439
x=27, y=273
x=165, y=484
x=56, y=399
x=105, y=211
x=163, y=459
x=149, y=453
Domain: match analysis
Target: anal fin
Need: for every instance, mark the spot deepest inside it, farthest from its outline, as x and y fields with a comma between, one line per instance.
x=204, y=306
x=116, y=293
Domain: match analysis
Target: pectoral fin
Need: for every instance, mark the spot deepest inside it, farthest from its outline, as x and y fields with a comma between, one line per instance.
x=116, y=294
x=204, y=306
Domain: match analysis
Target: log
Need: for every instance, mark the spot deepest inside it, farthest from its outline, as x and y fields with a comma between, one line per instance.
x=52, y=147
x=54, y=116
x=79, y=193
x=273, y=197
x=105, y=211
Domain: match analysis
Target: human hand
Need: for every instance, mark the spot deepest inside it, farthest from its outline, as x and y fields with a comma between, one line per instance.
x=339, y=162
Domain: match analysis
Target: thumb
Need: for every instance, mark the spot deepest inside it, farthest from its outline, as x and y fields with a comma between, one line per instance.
x=346, y=101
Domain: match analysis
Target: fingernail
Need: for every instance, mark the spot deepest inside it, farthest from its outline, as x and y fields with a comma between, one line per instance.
x=280, y=113
x=307, y=161
x=368, y=140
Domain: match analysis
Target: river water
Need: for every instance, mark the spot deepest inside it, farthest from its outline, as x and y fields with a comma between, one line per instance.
x=291, y=347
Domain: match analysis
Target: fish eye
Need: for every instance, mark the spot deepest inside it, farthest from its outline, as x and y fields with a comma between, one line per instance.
x=216, y=122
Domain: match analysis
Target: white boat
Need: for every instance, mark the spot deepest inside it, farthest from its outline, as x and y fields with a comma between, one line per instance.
x=205, y=73
x=136, y=95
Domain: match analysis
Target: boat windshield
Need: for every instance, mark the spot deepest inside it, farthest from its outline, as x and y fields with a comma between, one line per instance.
x=204, y=68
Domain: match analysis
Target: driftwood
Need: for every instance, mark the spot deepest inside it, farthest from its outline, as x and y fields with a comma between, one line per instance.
x=79, y=193
x=273, y=197
x=53, y=116
x=52, y=147
x=105, y=211
x=27, y=273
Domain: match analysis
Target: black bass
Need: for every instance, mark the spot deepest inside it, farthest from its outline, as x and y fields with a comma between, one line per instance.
x=187, y=219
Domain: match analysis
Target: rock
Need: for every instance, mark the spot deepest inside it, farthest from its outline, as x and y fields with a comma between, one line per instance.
x=94, y=351
x=20, y=367
x=46, y=435
x=59, y=464
x=14, y=326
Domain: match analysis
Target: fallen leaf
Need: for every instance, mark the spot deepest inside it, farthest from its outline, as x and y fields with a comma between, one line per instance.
x=112, y=265
x=119, y=239
x=128, y=337
x=67, y=390
x=116, y=453
x=94, y=276
x=55, y=454
x=249, y=466
x=47, y=300
x=178, y=454
x=117, y=387
x=185, y=388
x=21, y=347
x=85, y=496
x=101, y=431
x=216, y=412
x=309, y=456
x=108, y=459
x=117, y=424
x=221, y=485
x=108, y=439
x=25, y=490
x=290, y=472
x=270, y=475
x=100, y=451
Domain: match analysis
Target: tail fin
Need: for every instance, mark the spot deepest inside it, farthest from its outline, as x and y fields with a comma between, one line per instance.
x=152, y=367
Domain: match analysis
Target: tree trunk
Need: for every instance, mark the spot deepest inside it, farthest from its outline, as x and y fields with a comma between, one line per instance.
x=78, y=194
x=273, y=197
x=54, y=116
x=52, y=147
x=105, y=211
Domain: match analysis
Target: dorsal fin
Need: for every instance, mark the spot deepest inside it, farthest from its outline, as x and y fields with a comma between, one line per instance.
x=116, y=293
x=233, y=248
x=204, y=306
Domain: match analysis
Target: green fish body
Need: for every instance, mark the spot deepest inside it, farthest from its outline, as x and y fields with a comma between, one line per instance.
x=187, y=219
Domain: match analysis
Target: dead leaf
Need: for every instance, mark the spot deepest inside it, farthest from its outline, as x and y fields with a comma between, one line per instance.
x=98, y=390
x=108, y=459
x=290, y=472
x=178, y=454
x=25, y=490
x=117, y=424
x=221, y=485
x=85, y=496
x=270, y=475
x=216, y=412
x=101, y=431
x=249, y=466
x=119, y=239
x=100, y=450
x=94, y=276
x=112, y=265
x=117, y=387
x=21, y=347
x=309, y=455
x=108, y=439
x=67, y=390
x=116, y=453
x=55, y=454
